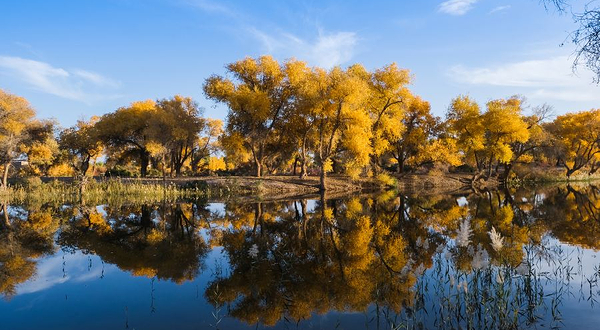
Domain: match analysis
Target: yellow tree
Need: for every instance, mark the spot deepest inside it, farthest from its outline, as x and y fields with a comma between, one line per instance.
x=17, y=123
x=40, y=147
x=257, y=99
x=486, y=138
x=466, y=125
x=176, y=127
x=128, y=128
x=419, y=128
x=300, y=123
x=208, y=142
x=577, y=137
x=387, y=102
x=82, y=144
x=234, y=147
x=523, y=152
x=341, y=123
x=504, y=126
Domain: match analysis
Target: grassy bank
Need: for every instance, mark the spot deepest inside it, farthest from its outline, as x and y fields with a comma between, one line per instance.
x=66, y=190
x=532, y=175
x=109, y=191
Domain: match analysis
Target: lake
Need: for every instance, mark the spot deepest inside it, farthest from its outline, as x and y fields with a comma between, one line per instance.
x=525, y=258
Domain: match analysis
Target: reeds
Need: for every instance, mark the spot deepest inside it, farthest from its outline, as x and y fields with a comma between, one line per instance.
x=97, y=192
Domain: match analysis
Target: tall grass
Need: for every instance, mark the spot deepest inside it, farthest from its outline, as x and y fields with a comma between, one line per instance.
x=529, y=174
x=109, y=191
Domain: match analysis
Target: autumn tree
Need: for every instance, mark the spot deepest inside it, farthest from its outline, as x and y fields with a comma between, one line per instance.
x=419, y=127
x=486, y=138
x=257, y=97
x=82, y=144
x=577, y=139
x=128, y=129
x=523, y=152
x=504, y=126
x=388, y=99
x=300, y=123
x=466, y=124
x=207, y=142
x=175, y=127
x=341, y=123
x=19, y=131
x=40, y=147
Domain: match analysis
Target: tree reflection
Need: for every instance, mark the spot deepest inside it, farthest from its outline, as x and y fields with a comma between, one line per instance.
x=413, y=260
x=289, y=261
x=152, y=241
x=24, y=236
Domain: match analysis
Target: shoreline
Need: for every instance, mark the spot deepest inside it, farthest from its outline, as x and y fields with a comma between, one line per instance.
x=46, y=189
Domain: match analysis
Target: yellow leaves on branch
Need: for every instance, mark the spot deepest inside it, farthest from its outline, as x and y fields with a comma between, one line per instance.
x=216, y=164
x=577, y=138
x=487, y=135
x=504, y=125
x=16, y=113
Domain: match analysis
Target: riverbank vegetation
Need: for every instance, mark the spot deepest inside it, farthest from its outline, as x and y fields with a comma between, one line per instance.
x=292, y=119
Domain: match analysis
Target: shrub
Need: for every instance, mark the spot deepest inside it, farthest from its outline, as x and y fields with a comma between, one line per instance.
x=385, y=180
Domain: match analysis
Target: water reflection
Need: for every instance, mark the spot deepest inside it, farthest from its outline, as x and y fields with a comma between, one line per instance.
x=497, y=259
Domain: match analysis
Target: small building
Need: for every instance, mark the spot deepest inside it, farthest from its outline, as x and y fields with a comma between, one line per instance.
x=18, y=164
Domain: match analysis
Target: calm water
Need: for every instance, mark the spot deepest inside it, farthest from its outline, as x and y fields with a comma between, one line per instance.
x=387, y=261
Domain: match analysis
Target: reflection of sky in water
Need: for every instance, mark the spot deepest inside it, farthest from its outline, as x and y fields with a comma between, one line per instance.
x=77, y=268
x=87, y=294
x=80, y=299
x=73, y=290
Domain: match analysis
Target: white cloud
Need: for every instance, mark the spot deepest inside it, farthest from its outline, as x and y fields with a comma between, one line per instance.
x=49, y=272
x=95, y=78
x=456, y=7
x=327, y=50
x=211, y=6
x=76, y=84
x=499, y=8
x=550, y=78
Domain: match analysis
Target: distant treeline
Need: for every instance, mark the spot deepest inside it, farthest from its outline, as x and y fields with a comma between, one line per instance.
x=290, y=118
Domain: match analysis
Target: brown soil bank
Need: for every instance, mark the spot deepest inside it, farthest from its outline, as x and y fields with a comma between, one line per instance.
x=425, y=182
x=268, y=186
x=271, y=187
x=284, y=186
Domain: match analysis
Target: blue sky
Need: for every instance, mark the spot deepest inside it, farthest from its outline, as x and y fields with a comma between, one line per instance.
x=75, y=59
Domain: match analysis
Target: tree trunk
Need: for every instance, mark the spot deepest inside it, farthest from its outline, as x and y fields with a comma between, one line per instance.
x=5, y=217
x=489, y=171
x=322, y=185
x=507, y=169
x=259, y=168
x=144, y=161
x=82, y=185
x=295, y=166
x=5, y=176
x=164, y=171
x=193, y=161
x=85, y=165
x=258, y=217
x=303, y=171
x=400, y=166
x=146, y=218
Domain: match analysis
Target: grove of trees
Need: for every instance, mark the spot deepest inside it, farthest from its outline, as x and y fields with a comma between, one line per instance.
x=291, y=118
